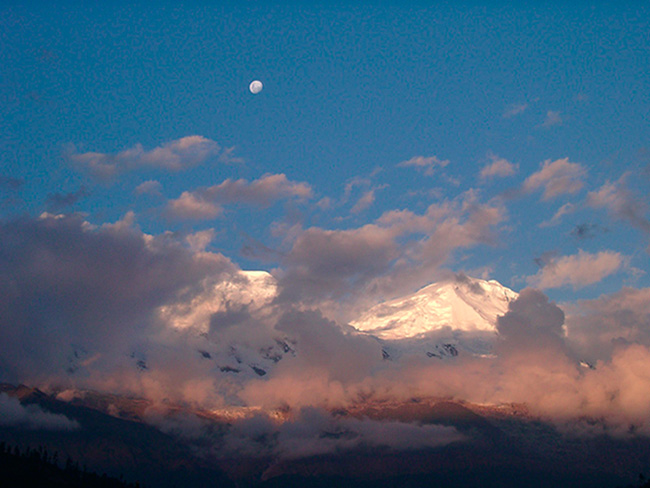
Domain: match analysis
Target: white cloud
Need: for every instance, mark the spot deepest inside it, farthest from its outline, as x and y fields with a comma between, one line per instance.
x=176, y=155
x=499, y=167
x=13, y=413
x=192, y=206
x=427, y=165
x=557, y=178
x=150, y=187
x=578, y=270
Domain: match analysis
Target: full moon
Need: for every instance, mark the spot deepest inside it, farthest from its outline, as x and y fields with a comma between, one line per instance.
x=255, y=87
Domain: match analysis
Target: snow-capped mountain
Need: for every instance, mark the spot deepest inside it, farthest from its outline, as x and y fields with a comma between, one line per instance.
x=461, y=304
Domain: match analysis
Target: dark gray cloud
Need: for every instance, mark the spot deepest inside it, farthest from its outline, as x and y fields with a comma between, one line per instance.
x=68, y=289
x=531, y=321
x=56, y=202
x=9, y=183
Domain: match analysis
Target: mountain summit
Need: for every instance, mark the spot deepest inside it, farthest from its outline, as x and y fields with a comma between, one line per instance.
x=461, y=303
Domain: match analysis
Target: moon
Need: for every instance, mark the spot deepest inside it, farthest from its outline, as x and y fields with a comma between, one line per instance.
x=255, y=87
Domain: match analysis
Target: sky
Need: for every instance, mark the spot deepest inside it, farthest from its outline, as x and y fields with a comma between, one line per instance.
x=390, y=147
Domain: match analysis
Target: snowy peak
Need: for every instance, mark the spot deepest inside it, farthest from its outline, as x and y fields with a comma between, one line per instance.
x=461, y=303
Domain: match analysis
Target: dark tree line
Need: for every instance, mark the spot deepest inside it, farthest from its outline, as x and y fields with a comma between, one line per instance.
x=38, y=467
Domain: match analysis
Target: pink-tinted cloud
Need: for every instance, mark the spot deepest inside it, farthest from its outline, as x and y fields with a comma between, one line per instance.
x=192, y=206
x=620, y=203
x=177, y=155
x=206, y=203
x=425, y=164
x=498, y=168
x=559, y=177
x=552, y=118
x=578, y=270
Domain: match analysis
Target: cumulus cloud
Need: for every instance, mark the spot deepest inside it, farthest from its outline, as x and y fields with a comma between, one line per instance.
x=149, y=187
x=597, y=327
x=578, y=270
x=499, y=167
x=70, y=291
x=192, y=206
x=620, y=203
x=559, y=177
x=176, y=155
x=425, y=164
x=205, y=203
x=31, y=416
x=398, y=253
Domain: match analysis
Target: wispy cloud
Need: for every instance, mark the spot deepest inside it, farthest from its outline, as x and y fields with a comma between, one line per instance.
x=425, y=164
x=176, y=155
x=557, y=178
x=515, y=109
x=206, y=203
x=578, y=270
x=9, y=183
x=566, y=209
x=552, y=118
x=620, y=203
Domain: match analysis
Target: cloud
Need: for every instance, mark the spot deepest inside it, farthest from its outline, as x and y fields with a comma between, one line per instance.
x=176, y=155
x=149, y=187
x=515, y=109
x=566, y=209
x=499, y=167
x=587, y=230
x=597, y=327
x=425, y=164
x=366, y=200
x=55, y=202
x=193, y=206
x=398, y=253
x=205, y=203
x=9, y=183
x=578, y=270
x=557, y=178
x=552, y=118
x=531, y=319
x=70, y=291
x=620, y=203
x=15, y=414
x=313, y=432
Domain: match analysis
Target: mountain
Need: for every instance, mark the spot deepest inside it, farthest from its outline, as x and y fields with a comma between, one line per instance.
x=463, y=303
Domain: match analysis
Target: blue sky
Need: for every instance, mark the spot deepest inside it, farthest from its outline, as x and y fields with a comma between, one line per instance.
x=351, y=95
